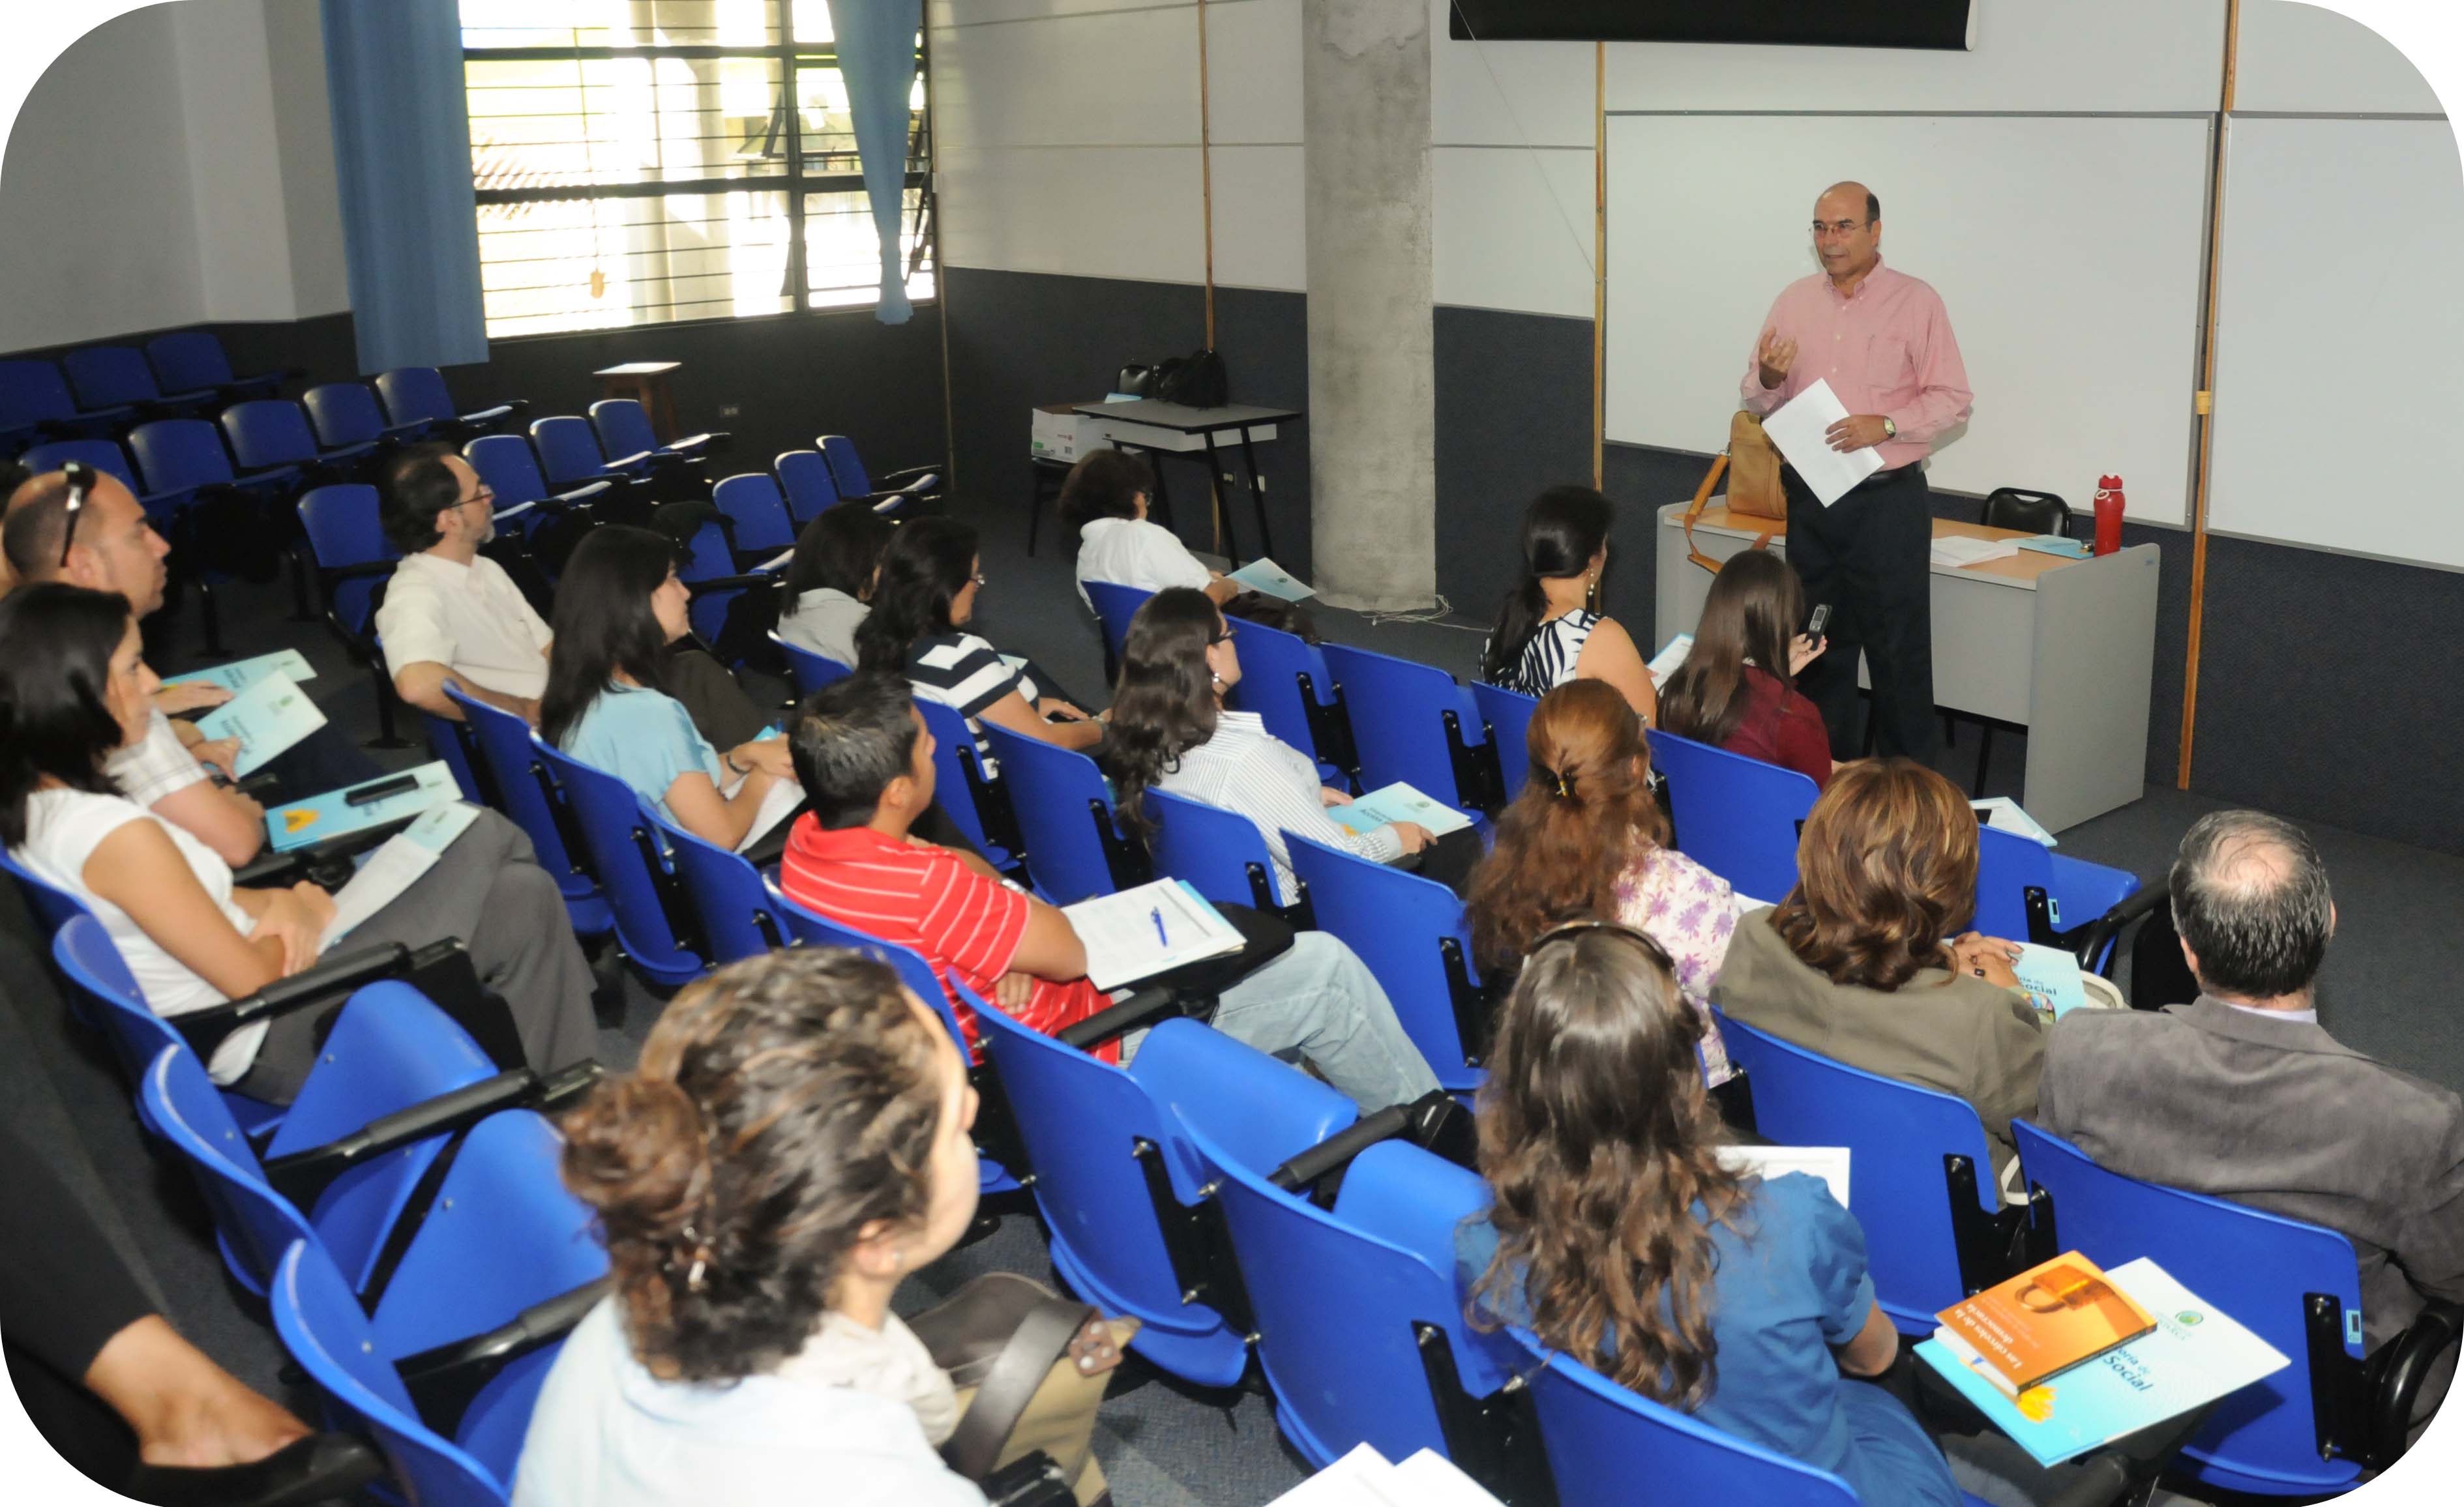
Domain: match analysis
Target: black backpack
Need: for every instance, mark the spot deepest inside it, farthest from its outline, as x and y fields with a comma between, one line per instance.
x=1196, y=380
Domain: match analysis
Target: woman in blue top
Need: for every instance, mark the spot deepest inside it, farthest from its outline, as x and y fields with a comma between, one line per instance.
x=617, y=606
x=1618, y=1238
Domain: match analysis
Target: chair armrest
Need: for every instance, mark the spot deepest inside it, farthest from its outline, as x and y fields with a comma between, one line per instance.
x=633, y=462
x=302, y=1177
x=205, y=1030
x=2107, y=929
x=359, y=570
x=1298, y=1174
x=2399, y=1369
x=929, y=473
x=694, y=444
x=580, y=496
x=699, y=588
x=443, y=1381
x=2095, y=1481
x=1143, y=1009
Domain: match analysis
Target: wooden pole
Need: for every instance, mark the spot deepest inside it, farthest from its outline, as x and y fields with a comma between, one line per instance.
x=2205, y=403
x=1206, y=172
x=1600, y=262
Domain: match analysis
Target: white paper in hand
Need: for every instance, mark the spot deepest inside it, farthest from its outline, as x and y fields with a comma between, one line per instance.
x=1801, y=428
x=1829, y=1163
x=396, y=866
x=1668, y=661
x=1265, y=576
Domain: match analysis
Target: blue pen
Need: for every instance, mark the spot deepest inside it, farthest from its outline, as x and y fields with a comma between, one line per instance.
x=1160, y=937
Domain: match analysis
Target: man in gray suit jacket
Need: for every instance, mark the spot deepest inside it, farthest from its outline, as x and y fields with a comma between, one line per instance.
x=2242, y=1095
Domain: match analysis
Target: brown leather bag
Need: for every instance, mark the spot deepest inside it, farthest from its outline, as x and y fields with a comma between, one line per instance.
x=1755, y=491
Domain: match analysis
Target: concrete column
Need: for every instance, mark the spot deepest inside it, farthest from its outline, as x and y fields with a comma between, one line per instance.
x=1373, y=416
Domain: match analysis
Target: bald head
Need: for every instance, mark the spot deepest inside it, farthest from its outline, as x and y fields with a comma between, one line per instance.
x=1848, y=199
x=1848, y=233
x=110, y=547
x=2252, y=904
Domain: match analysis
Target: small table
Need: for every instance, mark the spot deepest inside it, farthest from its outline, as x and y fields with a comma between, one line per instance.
x=646, y=383
x=1174, y=428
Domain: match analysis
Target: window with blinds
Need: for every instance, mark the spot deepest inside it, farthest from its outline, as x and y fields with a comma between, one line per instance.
x=639, y=162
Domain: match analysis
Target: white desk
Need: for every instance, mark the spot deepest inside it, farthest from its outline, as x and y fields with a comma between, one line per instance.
x=2064, y=647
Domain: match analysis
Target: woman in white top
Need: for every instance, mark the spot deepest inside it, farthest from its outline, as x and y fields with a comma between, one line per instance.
x=1170, y=731
x=1104, y=499
x=793, y=1143
x=831, y=582
x=73, y=691
x=1550, y=629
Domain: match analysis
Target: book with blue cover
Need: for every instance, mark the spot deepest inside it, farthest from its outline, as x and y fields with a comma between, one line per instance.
x=1399, y=801
x=240, y=674
x=271, y=715
x=321, y=818
x=2064, y=545
x=2051, y=976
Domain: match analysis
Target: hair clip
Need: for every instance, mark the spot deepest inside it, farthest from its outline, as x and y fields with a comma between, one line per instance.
x=700, y=1261
x=1565, y=786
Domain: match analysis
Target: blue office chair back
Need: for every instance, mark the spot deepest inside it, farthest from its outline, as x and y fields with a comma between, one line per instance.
x=846, y=467
x=506, y=464
x=252, y=1223
x=344, y=529
x=174, y=455
x=568, y=450
x=706, y=557
x=1601, y=1439
x=1509, y=715
x=2255, y=1266
x=1410, y=722
x=957, y=775
x=519, y=772
x=1735, y=816
x=1221, y=855
x=1282, y=677
x=1411, y=935
x=32, y=391
x=52, y=906
x=804, y=477
x=1902, y=1186
x=738, y=916
x=344, y=414
x=1065, y=817
x=454, y=745
x=1115, y=605
x=86, y=953
x=269, y=432
x=110, y=376
x=416, y=394
x=624, y=429
x=103, y=455
x=752, y=502
x=633, y=867
x=2027, y=892
x=190, y=360
x=809, y=670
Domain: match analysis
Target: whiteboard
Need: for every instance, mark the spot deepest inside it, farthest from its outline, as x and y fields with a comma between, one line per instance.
x=2067, y=249
x=2337, y=390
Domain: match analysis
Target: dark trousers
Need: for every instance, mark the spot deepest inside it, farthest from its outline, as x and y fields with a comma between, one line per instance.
x=1868, y=554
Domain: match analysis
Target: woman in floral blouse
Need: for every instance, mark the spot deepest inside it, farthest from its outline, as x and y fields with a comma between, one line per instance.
x=1585, y=837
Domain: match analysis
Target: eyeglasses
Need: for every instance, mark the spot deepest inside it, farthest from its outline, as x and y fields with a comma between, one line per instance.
x=1822, y=227
x=486, y=493
x=1219, y=636
x=977, y=579
x=1569, y=929
x=81, y=478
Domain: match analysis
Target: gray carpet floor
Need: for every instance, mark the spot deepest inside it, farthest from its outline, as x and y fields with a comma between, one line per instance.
x=2387, y=991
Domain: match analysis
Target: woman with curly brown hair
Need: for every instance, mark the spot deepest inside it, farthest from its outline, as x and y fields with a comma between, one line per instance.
x=1618, y=1238
x=794, y=1141
x=1852, y=964
x=1586, y=839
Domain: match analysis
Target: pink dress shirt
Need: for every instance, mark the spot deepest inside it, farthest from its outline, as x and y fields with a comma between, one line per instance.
x=1886, y=348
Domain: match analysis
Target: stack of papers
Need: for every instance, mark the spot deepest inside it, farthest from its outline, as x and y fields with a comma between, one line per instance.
x=1364, y=1478
x=336, y=815
x=1801, y=426
x=1829, y=1163
x=396, y=866
x=1399, y=801
x=239, y=675
x=1263, y=575
x=271, y=715
x=2005, y=814
x=1669, y=660
x=1958, y=550
x=1154, y=929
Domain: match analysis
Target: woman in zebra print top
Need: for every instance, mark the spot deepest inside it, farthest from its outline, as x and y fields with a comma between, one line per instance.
x=1550, y=629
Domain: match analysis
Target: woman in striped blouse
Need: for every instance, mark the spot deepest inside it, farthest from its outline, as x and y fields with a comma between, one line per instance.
x=1550, y=629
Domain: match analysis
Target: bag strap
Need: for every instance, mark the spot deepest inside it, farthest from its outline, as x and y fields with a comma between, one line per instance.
x=1694, y=510
x=1035, y=1347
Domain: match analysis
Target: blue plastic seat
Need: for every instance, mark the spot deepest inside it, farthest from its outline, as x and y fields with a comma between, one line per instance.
x=346, y=415
x=1411, y=935
x=452, y=745
x=1509, y=715
x=1285, y=680
x=1221, y=855
x=1115, y=605
x=418, y=395
x=33, y=396
x=2257, y=1267
x=569, y=453
x=117, y=376
x=809, y=670
x=751, y=501
x=709, y=568
x=1064, y=815
x=193, y=361
x=1921, y=1171
x=1412, y=722
x=271, y=432
x=624, y=432
x=634, y=869
x=518, y=771
x=856, y=484
x=353, y=558
x=739, y=916
x=506, y=463
x=805, y=478
x=1116, y=1176
x=87, y=956
x=185, y=454
x=2027, y=892
x=108, y=457
x=977, y=804
x=1735, y=816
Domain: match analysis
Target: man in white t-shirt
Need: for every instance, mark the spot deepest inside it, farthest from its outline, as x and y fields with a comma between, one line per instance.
x=451, y=616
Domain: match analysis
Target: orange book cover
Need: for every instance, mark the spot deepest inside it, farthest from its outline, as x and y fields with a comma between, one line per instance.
x=2043, y=1320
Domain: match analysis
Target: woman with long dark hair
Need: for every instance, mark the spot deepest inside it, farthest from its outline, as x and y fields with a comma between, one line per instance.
x=930, y=576
x=75, y=690
x=1550, y=628
x=1170, y=731
x=618, y=605
x=1585, y=837
x=1737, y=688
x=830, y=581
x=1619, y=1237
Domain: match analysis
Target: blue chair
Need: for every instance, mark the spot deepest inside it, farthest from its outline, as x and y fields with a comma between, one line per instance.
x=569, y=453
x=35, y=398
x=804, y=477
x=811, y=672
x=108, y=457
x=1285, y=680
x=354, y=558
x=272, y=432
x=752, y=503
x=506, y=464
x=653, y=920
x=1221, y=855
x=188, y=455
x=2026, y=891
x=193, y=361
x=87, y=956
x=346, y=415
x=1411, y=935
x=1115, y=605
x=977, y=804
x=1735, y=816
x=1509, y=715
x=738, y=914
x=856, y=485
x=624, y=432
x=709, y=569
x=1412, y=722
x=1064, y=815
x=418, y=395
x=529, y=794
x=452, y=745
x=1120, y=1183
x=117, y=377
x=1921, y=1171
x=52, y=906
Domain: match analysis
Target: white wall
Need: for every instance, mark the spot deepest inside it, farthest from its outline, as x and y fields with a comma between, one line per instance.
x=174, y=165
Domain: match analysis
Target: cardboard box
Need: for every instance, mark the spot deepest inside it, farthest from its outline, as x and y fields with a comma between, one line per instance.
x=1062, y=434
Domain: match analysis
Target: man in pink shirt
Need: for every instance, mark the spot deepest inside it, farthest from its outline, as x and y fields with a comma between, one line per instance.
x=1882, y=341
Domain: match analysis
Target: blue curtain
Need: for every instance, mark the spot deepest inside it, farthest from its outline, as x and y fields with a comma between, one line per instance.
x=402, y=155
x=876, y=46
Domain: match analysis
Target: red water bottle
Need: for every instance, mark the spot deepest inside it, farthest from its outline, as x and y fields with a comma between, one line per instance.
x=2109, y=514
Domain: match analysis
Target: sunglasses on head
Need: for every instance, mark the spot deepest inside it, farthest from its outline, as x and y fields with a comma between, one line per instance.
x=81, y=478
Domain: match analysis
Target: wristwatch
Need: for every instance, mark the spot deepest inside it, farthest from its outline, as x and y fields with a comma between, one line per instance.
x=1890, y=430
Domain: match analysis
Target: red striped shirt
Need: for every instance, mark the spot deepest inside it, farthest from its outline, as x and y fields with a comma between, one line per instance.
x=965, y=926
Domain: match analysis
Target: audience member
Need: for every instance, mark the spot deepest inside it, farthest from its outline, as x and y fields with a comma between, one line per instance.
x=1105, y=500
x=2245, y=1096
x=831, y=579
x=793, y=1143
x=1731, y=691
x=73, y=691
x=926, y=597
x=618, y=607
x=450, y=614
x=867, y=761
x=1853, y=965
x=1170, y=731
x=1620, y=1238
x=1550, y=629
x=1584, y=838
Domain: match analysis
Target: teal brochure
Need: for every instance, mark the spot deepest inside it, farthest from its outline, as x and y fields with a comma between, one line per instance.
x=240, y=674
x=1398, y=803
x=1262, y=574
x=2051, y=976
x=321, y=818
x=2055, y=544
x=271, y=715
